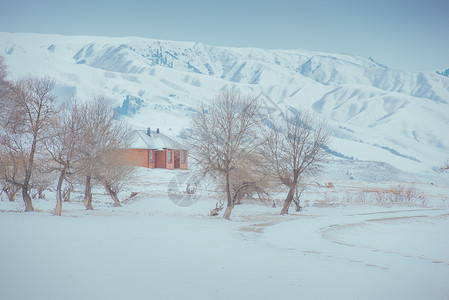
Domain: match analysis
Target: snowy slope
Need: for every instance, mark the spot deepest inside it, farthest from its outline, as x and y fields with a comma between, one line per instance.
x=374, y=113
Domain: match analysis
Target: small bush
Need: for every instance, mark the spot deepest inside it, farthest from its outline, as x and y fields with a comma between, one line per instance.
x=396, y=195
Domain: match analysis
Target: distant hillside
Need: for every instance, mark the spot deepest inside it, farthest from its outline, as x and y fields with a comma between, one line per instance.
x=444, y=73
x=374, y=113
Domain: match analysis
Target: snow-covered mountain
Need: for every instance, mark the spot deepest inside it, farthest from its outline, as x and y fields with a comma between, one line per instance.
x=374, y=112
x=444, y=73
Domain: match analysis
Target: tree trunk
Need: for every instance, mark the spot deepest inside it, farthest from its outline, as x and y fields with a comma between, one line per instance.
x=66, y=193
x=58, y=208
x=27, y=199
x=26, y=182
x=288, y=200
x=11, y=193
x=298, y=207
x=88, y=194
x=227, y=213
x=230, y=204
x=112, y=194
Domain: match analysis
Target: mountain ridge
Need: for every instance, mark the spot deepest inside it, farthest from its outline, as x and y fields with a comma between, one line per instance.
x=394, y=115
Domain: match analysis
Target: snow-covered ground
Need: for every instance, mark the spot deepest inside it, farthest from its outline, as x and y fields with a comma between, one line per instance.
x=340, y=246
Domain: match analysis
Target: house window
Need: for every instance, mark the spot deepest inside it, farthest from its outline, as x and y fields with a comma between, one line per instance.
x=169, y=156
x=182, y=156
x=151, y=155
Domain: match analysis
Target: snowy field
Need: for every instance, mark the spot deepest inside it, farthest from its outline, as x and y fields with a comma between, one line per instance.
x=340, y=246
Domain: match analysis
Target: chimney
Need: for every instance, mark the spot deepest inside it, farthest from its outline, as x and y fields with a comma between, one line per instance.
x=157, y=130
x=148, y=131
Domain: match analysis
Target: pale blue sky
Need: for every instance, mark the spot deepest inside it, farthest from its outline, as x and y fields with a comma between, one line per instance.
x=402, y=34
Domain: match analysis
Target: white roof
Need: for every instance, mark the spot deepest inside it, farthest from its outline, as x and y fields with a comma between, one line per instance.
x=157, y=141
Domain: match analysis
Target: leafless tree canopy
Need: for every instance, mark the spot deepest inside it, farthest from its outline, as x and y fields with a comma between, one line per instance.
x=61, y=145
x=27, y=110
x=39, y=140
x=294, y=149
x=251, y=179
x=84, y=146
x=102, y=137
x=223, y=134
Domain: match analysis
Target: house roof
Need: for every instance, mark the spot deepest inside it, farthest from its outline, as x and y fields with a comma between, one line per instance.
x=156, y=141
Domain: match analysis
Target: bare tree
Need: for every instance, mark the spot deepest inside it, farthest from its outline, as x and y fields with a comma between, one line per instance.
x=112, y=168
x=27, y=108
x=41, y=180
x=102, y=138
x=114, y=174
x=6, y=187
x=294, y=149
x=67, y=191
x=300, y=188
x=9, y=189
x=64, y=138
x=251, y=179
x=223, y=133
x=445, y=166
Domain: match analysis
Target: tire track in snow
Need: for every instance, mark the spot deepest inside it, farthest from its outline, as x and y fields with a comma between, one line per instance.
x=330, y=232
x=324, y=228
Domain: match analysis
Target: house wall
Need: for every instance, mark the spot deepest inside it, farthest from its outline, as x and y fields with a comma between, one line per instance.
x=136, y=157
x=170, y=164
x=177, y=159
x=151, y=163
x=161, y=160
x=183, y=166
x=139, y=157
x=142, y=158
x=178, y=164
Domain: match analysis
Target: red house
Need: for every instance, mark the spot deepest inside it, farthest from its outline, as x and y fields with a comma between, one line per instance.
x=153, y=149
